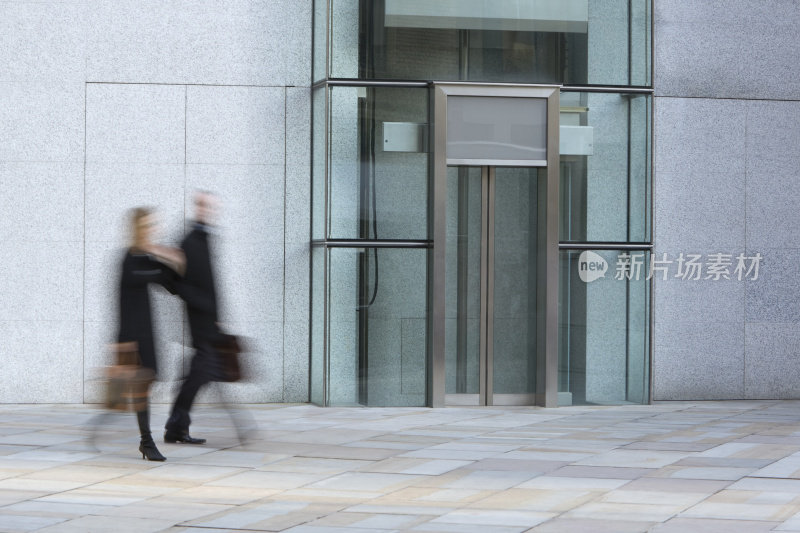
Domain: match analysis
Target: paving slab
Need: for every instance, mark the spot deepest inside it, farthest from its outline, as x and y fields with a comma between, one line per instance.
x=671, y=466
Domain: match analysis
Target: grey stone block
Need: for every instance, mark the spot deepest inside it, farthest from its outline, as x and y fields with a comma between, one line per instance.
x=263, y=364
x=771, y=361
x=41, y=281
x=295, y=361
x=297, y=282
x=235, y=125
x=42, y=361
x=344, y=40
x=704, y=135
x=42, y=202
x=773, y=133
x=296, y=41
x=701, y=360
x=773, y=191
x=249, y=280
x=706, y=49
x=679, y=300
x=250, y=199
x=42, y=121
x=240, y=42
x=43, y=41
x=113, y=189
x=135, y=124
x=775, y=295
x=298, y=164
x=700, y=211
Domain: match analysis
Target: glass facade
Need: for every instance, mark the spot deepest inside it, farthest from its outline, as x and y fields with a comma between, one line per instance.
x=372, y=201
x=604, y=327
x=570, y=42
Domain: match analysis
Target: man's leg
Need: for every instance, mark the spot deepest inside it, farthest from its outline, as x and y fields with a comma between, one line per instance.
x=177, y=427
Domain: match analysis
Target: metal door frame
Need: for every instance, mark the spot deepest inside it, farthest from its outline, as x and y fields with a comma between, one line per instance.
x=547, y=366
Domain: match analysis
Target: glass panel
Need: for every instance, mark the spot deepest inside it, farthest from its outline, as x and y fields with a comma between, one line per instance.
x=604, y=322
x=320, y=39
x=523, y=41
x=605, y=167
x=496, y=128
x=378, y=186
x=317, y=324
x=518, y=237
x=463, y=281
x=378, y=326
x=318, y=164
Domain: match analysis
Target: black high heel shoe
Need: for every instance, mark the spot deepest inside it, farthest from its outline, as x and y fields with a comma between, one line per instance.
x=150, y=452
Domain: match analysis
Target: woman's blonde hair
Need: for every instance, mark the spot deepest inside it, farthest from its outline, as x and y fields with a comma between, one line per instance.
x=137, y=217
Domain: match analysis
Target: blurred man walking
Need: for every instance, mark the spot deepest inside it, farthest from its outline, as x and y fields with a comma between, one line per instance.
x=198, y=291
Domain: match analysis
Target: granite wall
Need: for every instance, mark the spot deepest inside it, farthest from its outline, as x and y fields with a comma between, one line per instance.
x=726, y=144
x=107, y=105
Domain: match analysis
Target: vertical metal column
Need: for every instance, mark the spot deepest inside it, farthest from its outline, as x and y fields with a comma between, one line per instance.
x=487, y=284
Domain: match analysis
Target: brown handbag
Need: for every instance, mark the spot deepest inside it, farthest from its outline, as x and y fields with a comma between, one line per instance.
x=127, y=382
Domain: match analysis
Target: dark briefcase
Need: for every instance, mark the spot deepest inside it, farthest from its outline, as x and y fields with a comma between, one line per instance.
x=229, y=347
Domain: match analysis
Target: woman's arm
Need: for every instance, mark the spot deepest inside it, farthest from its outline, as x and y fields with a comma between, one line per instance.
x=171, y=257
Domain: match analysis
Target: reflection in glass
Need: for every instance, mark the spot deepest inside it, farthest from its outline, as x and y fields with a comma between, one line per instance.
x=605, y=167
x=378, y=326
x=463, y=280
x=320, y=39
x=524, y=41
x=604, y=337
x=378, y=174
x=317, y=325
x=518, y=312
x=318, y=163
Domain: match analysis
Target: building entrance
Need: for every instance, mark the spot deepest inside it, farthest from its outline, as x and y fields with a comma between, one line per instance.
x=495, y=252
x=495, y=310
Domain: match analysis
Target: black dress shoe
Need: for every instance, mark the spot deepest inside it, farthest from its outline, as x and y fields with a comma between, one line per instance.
x=183, y=438
x=150, y=452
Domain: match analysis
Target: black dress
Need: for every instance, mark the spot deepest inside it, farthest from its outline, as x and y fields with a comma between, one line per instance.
x=135, y=316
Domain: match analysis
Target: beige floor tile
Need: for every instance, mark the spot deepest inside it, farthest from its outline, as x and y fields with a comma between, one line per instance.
x=667, y=466
x=537, y=500
x=625, y=511
x=686, y=525
x=577, y=525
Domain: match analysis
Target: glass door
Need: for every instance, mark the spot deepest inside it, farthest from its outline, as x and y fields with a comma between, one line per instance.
x=494, y=275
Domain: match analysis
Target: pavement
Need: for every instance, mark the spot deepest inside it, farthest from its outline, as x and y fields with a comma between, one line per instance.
x=669, y=467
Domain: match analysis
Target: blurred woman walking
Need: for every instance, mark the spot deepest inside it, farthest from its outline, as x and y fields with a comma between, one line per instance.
x=144, y=263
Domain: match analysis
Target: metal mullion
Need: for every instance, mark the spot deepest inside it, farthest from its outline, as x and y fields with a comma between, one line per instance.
x=489, y=324
x=634, y=247
x=325, y=329
x=624, y=89
x=325, y=231
x=486, y=214
x=372, y=243
x=345, y=82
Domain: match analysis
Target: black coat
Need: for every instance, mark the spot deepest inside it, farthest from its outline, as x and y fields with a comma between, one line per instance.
x=197, y=288
x=135, y=316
